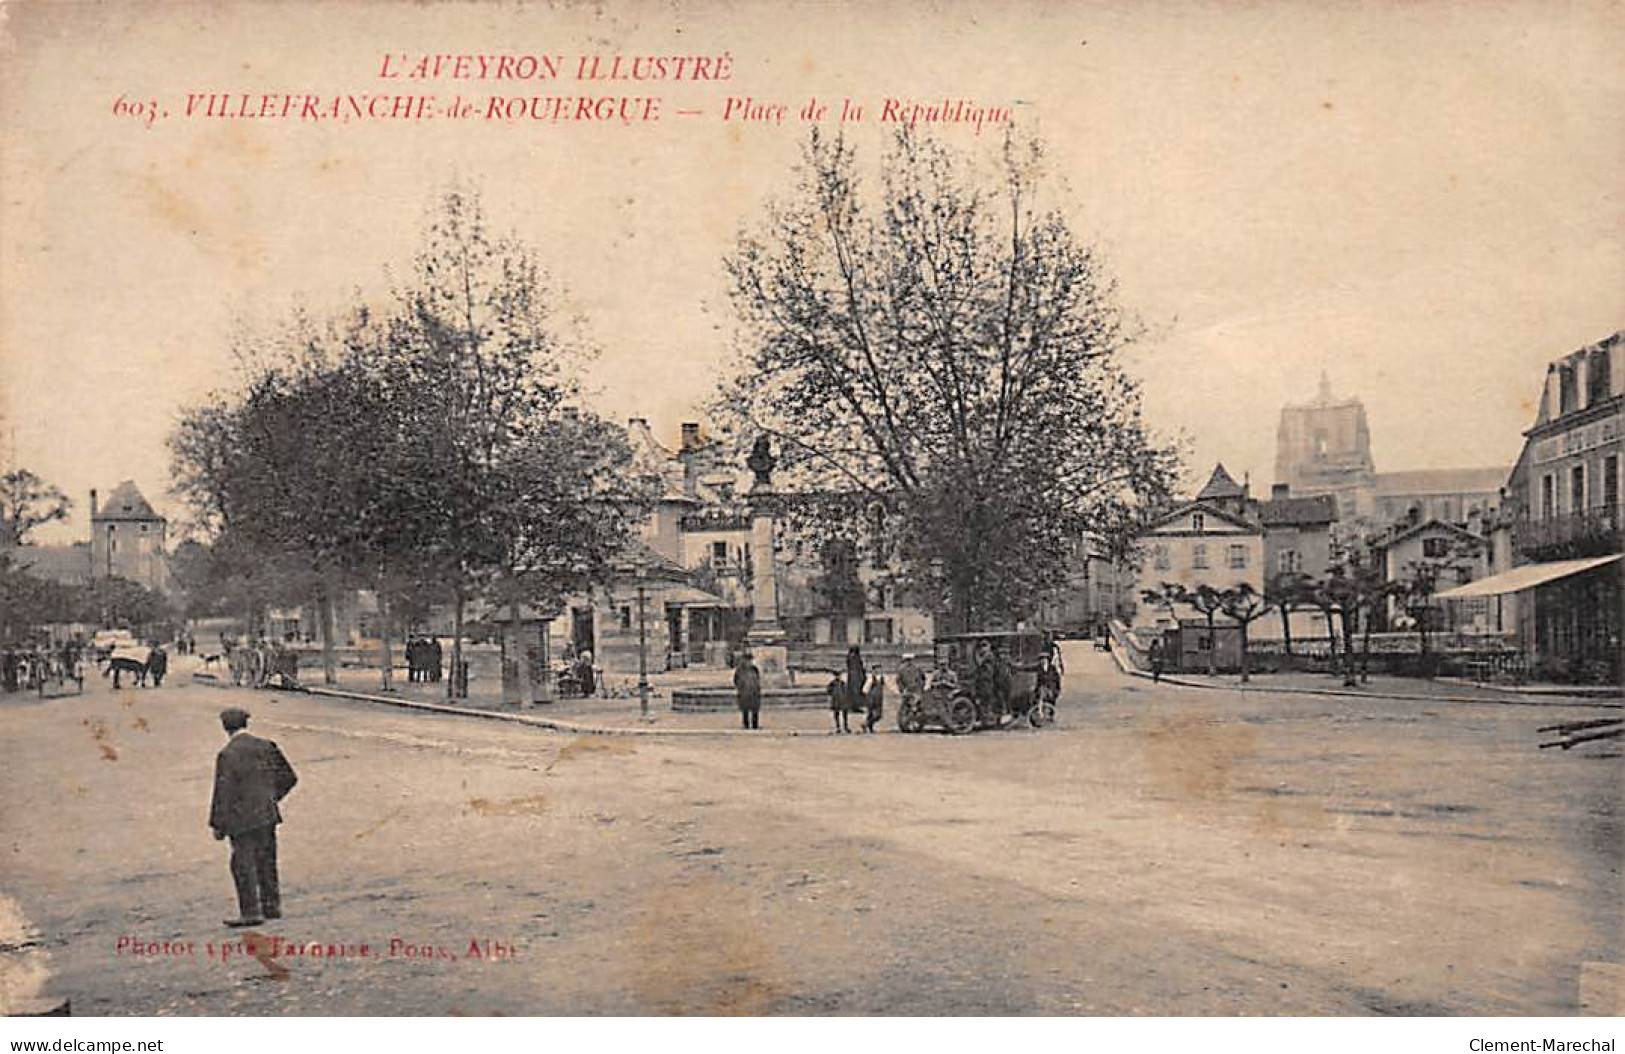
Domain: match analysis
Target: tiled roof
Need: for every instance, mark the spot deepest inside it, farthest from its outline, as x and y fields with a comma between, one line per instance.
x=126, y=503
x=1285, y=512
x=1442, y=481
x=1220, y=485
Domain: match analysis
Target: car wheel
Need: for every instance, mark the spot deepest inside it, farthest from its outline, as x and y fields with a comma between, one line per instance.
x=961, y=717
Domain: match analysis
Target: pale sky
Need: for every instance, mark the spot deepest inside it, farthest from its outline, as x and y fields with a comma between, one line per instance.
x=1420, y=198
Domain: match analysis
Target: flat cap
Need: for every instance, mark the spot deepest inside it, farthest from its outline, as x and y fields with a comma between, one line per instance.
x=234, y=717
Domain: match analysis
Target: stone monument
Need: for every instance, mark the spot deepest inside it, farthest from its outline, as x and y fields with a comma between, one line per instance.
x=765, y=637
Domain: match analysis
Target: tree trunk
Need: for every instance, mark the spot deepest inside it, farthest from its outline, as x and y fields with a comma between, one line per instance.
x=324, y=615
x=385, y=633
x=1365, y=648
x=521, y=657
x=1348, y=651
x=454, y=687
x=1243, y=627
x=1286, y=629
x=1212, y=647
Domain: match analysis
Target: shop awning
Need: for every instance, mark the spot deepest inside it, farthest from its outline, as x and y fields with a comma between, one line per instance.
x=1526, y=577
x=669, y=594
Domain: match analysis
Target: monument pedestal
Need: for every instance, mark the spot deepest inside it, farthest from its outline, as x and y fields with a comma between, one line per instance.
x=772, y=658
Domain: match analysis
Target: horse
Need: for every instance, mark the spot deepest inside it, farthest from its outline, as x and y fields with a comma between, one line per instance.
x=120, y=664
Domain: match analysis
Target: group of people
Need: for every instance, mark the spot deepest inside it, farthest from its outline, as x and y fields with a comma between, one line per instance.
x=425, y=660
x=24, y=666
x=861, y=691
x=260, y=662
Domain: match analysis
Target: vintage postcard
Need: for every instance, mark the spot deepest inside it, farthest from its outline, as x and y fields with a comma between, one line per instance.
x=930, y=509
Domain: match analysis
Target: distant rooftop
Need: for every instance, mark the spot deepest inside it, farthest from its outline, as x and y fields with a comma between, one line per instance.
x=1285, y=512
x=1220, y=485
x=1442, y=481
x=126, y=503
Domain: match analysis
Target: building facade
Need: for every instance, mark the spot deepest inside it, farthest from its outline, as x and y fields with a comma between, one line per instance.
x=1210, y=540
x=1565, y=513
x=128, y=538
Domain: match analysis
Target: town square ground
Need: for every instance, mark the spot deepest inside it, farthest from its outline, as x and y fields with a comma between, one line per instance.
x=1163, y=850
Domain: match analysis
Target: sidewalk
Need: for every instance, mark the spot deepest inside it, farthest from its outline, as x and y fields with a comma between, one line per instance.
x=617, y=714
x=1384, y=686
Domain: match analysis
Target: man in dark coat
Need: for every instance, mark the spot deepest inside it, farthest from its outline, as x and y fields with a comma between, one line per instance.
x=856, y=676
x=748, y=686
x=250, y=777
x=157, y=665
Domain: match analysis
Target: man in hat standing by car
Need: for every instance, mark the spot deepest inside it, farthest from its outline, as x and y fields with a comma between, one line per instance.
x=250, y=777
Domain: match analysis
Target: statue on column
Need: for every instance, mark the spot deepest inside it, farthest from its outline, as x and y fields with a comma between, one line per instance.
x=762, y=461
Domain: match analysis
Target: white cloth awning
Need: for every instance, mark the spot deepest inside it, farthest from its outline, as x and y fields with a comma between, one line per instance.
x=1526, y=577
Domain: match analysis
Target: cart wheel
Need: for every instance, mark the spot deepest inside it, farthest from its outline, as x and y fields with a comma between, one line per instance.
x=1041, y=714
x=961, y=716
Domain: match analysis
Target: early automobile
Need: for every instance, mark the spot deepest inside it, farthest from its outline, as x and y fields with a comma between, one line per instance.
x=950, y=700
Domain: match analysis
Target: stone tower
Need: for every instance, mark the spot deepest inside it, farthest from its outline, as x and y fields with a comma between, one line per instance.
x=127, y=538
x=1324, y=447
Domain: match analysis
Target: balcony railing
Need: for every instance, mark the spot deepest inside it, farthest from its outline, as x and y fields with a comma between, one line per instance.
x=1595, y=532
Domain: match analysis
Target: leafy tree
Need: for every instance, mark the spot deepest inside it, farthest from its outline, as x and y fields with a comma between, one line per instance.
x=1205, y=600
x=114, y=601
x=1422, y=581
x=1244, y=605
x=28, y=601
x=289, y=466
x=440, y=442
x=27, y=502
x=1289, y=591
x=518, y=489
x=951, y=353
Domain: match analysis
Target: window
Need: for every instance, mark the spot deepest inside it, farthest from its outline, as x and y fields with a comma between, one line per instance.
x=1199, y=555
x=1159, y=558
x=719, y=555
x=1610, y=481
x=877, y=631
x=1435, y=548
x=1320, y=445
x=1577, y=489
x=626, y=617
x=1198, y=522
x=1238, y=556
x=1597, y=376
x=1287, y=561
x=1548, y=497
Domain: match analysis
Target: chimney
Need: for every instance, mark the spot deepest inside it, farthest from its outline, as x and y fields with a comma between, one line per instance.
x=1280, y=491
x=691, y=434
x=636, y=422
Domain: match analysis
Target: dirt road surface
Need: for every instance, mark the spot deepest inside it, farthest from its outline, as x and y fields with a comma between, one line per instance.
x=1161, y=851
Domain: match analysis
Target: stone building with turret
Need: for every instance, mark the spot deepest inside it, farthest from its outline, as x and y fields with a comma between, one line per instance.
x=128, y=538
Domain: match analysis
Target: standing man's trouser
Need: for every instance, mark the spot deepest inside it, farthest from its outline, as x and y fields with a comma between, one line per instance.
x=253, y=870
x=751, y=716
